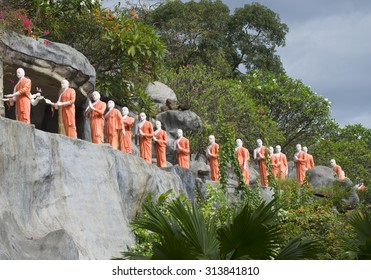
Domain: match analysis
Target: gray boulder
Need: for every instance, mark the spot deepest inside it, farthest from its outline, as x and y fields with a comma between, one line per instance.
x=160, y=92
x=51, y=182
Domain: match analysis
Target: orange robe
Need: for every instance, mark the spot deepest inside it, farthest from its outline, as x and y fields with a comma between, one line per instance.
x=214, y=162
x=113, y=121
x=145, y=141
x=275, y=165
x=125, y=139
x=23, y=101
x=160, y=147
x=301, y=165
x=337, y=169
x=97, y=122
x=183, y=155
x=282, y=168
x=243, y=156
x=310, y=162
x=263, y=167
x=68, y=112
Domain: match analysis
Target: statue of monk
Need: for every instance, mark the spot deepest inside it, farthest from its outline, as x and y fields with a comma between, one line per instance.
x=212, y=155
x=160, y=138
x=125, y=136
x=145, y=132
x=310, y=161
x=95, y=111
x=243, y=157
x=113, y=119
x=280, y=164
x=21, y=96
x=259, y=157
x=337, y=169
x=300, y=159
x=66, y=101
x=274, y=162
x=182, y=151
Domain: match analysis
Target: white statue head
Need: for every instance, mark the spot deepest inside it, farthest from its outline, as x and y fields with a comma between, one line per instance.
x=211, y=139
x=95, y=95
x=239, y=143
x=111, y=104
x=271, y=150
x=64, y=84
x=305, y=149
x=20, y=73
x=298, y=147
x=125, y=111
x=179, y=132
x=333, y=162
x=259, y=142
x=278, y=149
x=142, y=116
x=158, y=125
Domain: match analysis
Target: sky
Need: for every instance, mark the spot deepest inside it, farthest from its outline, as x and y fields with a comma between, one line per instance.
x=328, y=47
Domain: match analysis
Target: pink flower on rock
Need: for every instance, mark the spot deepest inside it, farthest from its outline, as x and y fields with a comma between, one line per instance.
x=46, y=42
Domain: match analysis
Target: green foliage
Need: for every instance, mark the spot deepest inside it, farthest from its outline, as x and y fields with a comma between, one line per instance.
x=360, y=247
x=255, y=32
x=244, y=231
x=221, y=103
x=349, y=146
x=299, y=113
x=205, y=33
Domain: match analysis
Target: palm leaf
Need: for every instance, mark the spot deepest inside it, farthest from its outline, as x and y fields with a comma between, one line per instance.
x=251, y=234
x=297, y=249
x=361, y=247
x=201, y=235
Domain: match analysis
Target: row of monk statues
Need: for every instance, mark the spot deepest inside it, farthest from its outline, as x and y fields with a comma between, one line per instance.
x=115, y=127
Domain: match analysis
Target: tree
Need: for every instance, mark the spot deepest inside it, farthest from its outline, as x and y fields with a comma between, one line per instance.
x=255, y=32
x=349, y=146
x=300, y=114
x=185, y=233
x=221, y=102
x=205, y=33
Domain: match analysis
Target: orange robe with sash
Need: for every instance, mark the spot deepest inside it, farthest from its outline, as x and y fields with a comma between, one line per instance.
x=125, y=139
x=113, y=121
x=68, y=112
x=183, y=154
x=160, y=147
x=282, y=159
x=97, y=122
x=23, y=101
x=310, y=161
x=145, y=141
x=214, y=162
x=243, y=156
x=301, y=165
x=263, y=167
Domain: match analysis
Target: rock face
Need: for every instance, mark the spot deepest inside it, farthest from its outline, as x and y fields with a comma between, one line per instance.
x=46, y=64
x=160, y=92
x=74, y=198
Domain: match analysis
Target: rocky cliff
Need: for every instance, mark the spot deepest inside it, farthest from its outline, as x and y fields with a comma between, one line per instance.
x=63, y=198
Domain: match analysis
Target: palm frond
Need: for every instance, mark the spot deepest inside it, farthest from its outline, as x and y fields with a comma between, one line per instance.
x=201, y=235
x=297, y=249
x=251, y=234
